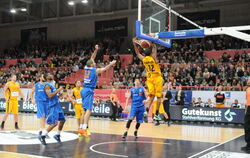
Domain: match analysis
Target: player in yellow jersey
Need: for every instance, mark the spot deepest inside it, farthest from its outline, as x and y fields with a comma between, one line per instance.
x=76, y=99
x=154, y=77
x=11, y=92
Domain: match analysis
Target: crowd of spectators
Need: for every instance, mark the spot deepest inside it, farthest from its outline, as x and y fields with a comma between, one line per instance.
x=210, y=104
x=193, y=68
x=62, y=48
x=211, y=43
x=185, y=64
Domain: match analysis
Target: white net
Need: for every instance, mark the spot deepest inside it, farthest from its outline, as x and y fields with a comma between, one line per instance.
x=154, y=18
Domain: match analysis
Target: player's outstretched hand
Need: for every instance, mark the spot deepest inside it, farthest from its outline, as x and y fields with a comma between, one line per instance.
x=33, y=101
x=113, y=62
x=25, y=100
x=97, y=47
x=134, y=39
x=60, y=88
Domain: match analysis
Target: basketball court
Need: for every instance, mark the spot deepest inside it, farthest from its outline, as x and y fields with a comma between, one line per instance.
x=175, y=141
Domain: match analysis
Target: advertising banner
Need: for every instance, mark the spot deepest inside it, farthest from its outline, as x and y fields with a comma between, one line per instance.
x=224, y=115
x=111, y=28
x=198, y=33
x=103, y=109
x=208, y=19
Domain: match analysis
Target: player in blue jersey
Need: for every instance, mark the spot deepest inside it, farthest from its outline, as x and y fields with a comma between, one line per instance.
x=40, y=100
x=89, y=84
x=138, y=97
x=56, y=115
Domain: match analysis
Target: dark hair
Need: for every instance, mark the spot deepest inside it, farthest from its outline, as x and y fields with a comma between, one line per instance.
x=46, y=76
x=40, y=75
x=147, y=51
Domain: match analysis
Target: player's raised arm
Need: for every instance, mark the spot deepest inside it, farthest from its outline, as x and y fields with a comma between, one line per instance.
x=154, y=51
x=139, y=55
x=100, y=70
x=97, y=48
x=48, y=91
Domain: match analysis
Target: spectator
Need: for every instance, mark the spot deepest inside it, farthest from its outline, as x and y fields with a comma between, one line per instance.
x=199, y=103
x=236, y=104
x=180, y=96
x=219, y=98
x=193, y=103
x=209, y=103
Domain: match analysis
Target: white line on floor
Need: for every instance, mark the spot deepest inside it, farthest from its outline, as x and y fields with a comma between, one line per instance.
x=214, y=146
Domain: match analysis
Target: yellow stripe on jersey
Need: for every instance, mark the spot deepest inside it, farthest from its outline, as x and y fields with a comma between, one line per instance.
x=151, y=66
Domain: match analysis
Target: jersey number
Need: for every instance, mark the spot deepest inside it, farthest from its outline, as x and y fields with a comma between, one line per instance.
x=151, y=68
x=86, y=73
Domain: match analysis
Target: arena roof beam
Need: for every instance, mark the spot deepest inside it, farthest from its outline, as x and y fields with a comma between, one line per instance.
x=26, y=1
x=35, y=1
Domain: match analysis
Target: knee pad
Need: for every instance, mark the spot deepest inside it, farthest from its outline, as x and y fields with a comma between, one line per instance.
x=128, y=123
x=137, y=125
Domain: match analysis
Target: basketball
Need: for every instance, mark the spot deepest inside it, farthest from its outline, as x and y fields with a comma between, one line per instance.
x=145, y=44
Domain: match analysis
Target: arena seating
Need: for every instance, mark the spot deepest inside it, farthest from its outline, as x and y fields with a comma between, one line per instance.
x=181, y=65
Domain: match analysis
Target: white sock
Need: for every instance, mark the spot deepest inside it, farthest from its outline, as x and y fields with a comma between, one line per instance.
x=58, y=132
x=81, y=125
x=84, y=126
x=44, y=132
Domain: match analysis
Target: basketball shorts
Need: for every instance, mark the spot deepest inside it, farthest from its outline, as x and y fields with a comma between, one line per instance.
x=55, y=114
x=155, y=85
x=42, y=109
x=87, y=95
x=137, y=113
x=12, y=106
x=161, y=109
x=78, y=110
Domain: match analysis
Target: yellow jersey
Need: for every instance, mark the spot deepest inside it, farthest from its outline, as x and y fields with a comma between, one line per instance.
x=77, y=95
x=152, y=67
x=13, y=90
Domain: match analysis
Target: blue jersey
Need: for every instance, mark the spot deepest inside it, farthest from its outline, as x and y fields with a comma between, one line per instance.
x=90, y=77
x=137, y=97
x=40, y=94
x=54, y=100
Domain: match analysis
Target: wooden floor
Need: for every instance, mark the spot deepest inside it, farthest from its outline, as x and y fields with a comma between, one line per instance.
x=200, y=133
